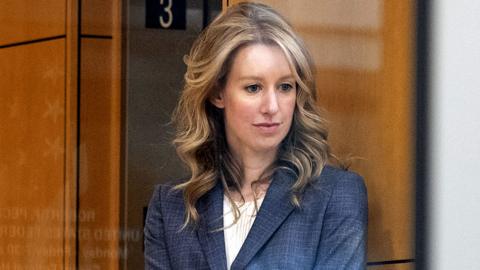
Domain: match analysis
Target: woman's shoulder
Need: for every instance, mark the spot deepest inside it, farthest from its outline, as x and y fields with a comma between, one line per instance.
x=168, y=194
x=347, y=193
x=340, y=187
x=333, y=178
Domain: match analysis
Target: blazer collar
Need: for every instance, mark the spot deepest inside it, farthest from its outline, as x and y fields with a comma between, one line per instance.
x=274, y=210
x=210, y=233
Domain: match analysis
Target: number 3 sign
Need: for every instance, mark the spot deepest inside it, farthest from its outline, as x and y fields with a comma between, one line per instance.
x=166, y=14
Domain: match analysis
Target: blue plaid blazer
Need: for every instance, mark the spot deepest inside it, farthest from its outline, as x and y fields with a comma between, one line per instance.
x=328, y=231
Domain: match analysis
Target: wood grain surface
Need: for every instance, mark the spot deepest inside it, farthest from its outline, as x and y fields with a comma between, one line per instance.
x=32, y=155
x=26, y=20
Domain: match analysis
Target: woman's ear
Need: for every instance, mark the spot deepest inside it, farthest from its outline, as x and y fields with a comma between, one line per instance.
x=217, y=100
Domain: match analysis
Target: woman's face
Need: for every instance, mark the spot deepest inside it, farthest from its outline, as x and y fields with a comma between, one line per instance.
x=258, y=99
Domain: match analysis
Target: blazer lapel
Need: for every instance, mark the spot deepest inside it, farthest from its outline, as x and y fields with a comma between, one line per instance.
x=275, y=208
x=209, y=231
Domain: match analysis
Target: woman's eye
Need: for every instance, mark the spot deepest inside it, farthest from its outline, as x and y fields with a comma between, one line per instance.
x=253, y=88
x=286, y=87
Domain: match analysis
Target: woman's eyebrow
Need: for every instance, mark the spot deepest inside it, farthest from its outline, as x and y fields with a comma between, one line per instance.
x=259, y=78
x=250, y=77
x=287, y=77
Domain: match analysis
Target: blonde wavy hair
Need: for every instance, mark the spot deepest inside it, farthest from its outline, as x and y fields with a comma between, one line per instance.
x=200, y=137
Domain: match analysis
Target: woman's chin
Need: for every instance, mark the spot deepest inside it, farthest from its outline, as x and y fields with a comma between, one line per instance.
x=266, y=147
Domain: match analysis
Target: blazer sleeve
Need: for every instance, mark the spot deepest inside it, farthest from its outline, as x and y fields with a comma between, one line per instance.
x=156, y=254
x=344, y=231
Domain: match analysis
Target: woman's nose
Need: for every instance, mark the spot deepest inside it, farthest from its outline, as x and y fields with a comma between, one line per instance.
x=269, y=102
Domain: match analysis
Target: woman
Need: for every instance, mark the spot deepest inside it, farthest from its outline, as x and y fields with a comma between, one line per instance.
x=260, y=195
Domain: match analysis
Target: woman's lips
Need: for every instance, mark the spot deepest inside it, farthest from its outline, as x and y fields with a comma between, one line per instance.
x=267, y=127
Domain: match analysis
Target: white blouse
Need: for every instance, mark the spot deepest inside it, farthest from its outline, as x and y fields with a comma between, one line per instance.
x=235, y=234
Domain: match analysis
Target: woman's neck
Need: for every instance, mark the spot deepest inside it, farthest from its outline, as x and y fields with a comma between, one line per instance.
x=253, y=165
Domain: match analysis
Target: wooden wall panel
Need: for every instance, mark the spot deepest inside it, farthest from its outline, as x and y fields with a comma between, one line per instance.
x=99, y=164
x=99, y=17
x=71, y=119
x=99, y=156
x=363, y=53
x=32, y=157
x=390, y=167
x=402, y=266
x=31, y=19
